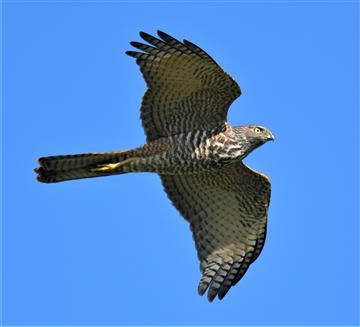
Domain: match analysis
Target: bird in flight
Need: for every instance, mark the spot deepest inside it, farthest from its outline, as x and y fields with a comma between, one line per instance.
x=197, y=154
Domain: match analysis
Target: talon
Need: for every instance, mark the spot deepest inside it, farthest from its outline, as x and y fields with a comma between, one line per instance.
x=110, y=167
x=106, y=168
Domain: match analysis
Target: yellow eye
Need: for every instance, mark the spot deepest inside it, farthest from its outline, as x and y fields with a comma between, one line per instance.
x=257, y=130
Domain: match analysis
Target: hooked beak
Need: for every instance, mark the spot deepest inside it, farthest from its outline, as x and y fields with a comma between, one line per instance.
x=271, y=137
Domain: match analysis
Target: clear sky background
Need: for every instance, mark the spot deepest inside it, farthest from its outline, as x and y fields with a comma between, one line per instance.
x=114, y=250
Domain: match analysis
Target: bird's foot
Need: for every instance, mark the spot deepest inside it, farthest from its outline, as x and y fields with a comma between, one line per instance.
x=106, y=168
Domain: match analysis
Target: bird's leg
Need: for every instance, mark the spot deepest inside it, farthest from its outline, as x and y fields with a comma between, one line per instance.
x=112, y=166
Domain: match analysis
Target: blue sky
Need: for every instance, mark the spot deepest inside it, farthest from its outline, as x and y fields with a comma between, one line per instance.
x=114, y=250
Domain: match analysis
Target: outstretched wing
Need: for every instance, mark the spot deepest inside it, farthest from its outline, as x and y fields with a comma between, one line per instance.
x=187, y=90
x=227, y=211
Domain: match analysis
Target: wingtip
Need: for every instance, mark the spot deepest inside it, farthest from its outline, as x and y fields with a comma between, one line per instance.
x=222, y=293
x=202, y=288
x=162, y=34
x=131, y=53
x=143, y=34
x=211, y=295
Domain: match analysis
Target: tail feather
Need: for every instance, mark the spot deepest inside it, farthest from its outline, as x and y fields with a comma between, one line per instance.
x=66, y=167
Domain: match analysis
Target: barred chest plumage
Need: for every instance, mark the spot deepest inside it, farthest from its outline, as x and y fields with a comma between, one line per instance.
x=191, y=152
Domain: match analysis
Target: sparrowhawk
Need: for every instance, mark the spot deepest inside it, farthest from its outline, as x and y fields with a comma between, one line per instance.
x=197, y=154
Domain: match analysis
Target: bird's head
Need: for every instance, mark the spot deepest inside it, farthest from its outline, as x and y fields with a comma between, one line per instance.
x=253, y=135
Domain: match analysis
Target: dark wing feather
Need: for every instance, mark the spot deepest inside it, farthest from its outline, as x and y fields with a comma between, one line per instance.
x=227, y=211
x=187, y=90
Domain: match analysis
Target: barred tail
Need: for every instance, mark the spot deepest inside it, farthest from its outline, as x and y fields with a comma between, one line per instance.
x=66, y=167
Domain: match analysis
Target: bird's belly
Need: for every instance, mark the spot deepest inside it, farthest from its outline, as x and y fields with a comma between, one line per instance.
x=188, y=153
x=185, y=161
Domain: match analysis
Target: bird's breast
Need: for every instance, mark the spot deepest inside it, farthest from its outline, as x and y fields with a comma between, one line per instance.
x=190, y=152
x=203, y=150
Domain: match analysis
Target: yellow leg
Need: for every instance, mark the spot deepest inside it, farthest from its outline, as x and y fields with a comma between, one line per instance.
x=111, y=167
